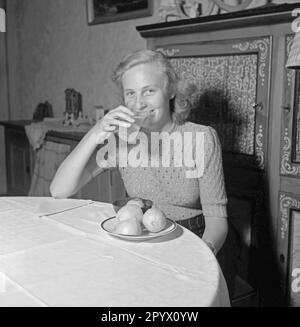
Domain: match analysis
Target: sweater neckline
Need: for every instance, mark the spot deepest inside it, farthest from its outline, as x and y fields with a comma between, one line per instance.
x=172, y=127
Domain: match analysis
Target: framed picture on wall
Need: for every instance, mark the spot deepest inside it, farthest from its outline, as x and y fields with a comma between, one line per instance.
x=106, y=11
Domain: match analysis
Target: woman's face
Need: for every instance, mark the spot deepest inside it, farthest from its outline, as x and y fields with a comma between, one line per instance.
x=144, y=88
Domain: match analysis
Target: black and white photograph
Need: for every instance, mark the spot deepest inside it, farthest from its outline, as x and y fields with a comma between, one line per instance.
x=104, y=11
x=149, y=157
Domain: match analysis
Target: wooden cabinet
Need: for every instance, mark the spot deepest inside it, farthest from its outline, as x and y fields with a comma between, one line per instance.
x=237, y=60
x=232, y=78
x=106, y=187
x=19, y=160
x=21, y=166
x=289, y=247
x=288, y=234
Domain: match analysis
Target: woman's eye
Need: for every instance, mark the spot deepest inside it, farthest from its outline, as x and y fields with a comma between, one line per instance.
x=149, y=92
x=129, y=94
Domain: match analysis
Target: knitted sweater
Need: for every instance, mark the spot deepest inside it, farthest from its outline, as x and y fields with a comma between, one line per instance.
x=170, y=189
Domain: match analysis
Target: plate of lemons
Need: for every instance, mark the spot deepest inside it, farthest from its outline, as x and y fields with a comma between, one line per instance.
x=138, y=220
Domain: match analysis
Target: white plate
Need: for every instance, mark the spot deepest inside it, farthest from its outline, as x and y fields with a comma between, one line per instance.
x=109, y=225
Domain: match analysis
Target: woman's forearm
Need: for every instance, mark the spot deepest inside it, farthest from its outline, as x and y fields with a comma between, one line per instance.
x=71, y=175
x=215, y=231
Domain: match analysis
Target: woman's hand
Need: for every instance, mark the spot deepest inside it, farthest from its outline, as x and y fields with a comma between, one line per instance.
x=120, y=116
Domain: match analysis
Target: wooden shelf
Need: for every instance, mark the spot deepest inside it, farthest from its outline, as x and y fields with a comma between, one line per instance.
x=16, y=124
x=264, y=15
x=20, y=125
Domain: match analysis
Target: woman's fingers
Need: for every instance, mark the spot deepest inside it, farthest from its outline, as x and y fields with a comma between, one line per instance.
x=119, y=123
x=123, y=113
x=109, y=128
x=124, y=116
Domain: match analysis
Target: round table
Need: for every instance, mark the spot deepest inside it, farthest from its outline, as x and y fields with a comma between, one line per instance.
x=54, y=253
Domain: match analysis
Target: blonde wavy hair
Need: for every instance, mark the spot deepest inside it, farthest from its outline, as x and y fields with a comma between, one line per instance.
x=185, y=93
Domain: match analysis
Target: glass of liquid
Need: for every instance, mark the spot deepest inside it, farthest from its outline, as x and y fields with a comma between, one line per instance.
x=130, y=134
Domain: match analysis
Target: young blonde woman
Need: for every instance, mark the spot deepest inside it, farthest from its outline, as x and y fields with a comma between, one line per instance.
x=147, y=81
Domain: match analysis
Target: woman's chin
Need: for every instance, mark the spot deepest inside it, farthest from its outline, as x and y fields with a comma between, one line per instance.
x=150, y=128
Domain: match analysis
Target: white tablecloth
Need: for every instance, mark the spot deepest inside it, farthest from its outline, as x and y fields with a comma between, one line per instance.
x=66, y=259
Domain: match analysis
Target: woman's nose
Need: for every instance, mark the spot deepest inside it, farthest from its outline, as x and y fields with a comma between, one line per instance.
x=140, y=103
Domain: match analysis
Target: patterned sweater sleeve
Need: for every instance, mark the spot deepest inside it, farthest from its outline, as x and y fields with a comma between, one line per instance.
x=212, y=188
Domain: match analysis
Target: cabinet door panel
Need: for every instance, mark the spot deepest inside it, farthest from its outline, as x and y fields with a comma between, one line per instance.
x=18, y=177
x=17, y=162
x=289, y=247
x=294, y=275
x=233, y=81
x=290, y=131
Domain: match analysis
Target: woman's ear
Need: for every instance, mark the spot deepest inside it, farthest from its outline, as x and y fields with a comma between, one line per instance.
x=172, y=91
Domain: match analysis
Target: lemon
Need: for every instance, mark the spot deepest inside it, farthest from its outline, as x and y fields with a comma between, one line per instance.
x=130, y=211
x=154, y=220
x=129, y=227
x=138, y=202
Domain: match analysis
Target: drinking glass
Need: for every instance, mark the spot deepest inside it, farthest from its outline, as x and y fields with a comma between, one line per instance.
x=140, y=118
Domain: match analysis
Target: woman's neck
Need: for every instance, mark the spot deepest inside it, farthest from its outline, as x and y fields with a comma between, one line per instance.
x=168, y=127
